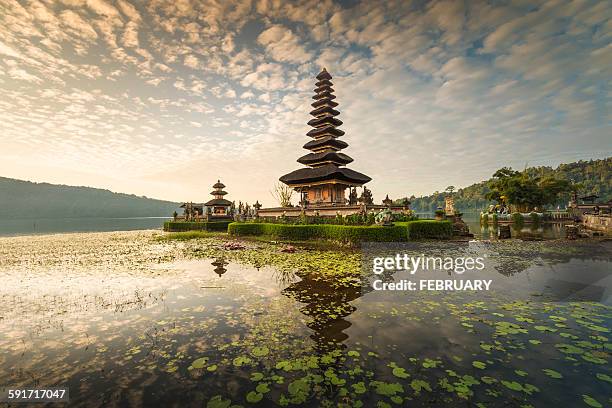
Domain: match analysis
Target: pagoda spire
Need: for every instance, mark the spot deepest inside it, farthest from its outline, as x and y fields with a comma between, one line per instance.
x=325, y=147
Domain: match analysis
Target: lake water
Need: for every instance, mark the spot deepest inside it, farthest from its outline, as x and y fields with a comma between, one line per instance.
x=127, y=319
x=57, y=225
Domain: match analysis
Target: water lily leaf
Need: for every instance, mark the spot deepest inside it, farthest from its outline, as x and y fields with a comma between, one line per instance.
x=260, y=351
x=604, y=377
x=400, y=372
x=479, y=364
x=218, y=402
x=513, y=385
x=257, y=376
x=552, y=373
x=254, y=397
x=521, y=373
x=591, y=402
x=212, y=368
x=418, y=385
x=359, y=387
x=200, y=362
x=262, y=388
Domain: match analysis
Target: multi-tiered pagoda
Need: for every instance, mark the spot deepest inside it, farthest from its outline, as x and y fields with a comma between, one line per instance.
x=325, y=180
x=218, y=207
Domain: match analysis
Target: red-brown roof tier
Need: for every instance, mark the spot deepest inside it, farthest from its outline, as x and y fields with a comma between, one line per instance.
x=325, y=120
x=324, y=88
x=218, y=192
x=218, y=184
x=324, y=131
x=324, y=173
x=323, y=82
x=324, y=102
x=324, y=110
x=218, y=201
x=330, y=156
x=324, y=95
x=326, y=141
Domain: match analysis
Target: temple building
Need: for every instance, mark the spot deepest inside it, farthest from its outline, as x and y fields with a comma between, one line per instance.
x=325, y=180
x=218, y=207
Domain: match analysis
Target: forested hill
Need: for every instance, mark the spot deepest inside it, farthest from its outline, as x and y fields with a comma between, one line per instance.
x=24, y=199
x=594, y=175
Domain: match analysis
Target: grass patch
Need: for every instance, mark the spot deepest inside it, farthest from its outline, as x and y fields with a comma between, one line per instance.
x=187, y=235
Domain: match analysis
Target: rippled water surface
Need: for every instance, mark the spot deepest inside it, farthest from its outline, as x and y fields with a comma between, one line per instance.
x=127, y=319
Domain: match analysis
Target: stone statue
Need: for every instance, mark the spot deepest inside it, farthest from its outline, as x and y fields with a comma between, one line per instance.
x=449, y=205
x=384, y=217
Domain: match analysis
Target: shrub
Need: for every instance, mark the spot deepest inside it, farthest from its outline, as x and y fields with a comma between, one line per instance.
x=494, y=217
x=341, y=233
x=347, y=233
x=517, y=220
x=178, y=226
x=535, y=218
x=424, y=229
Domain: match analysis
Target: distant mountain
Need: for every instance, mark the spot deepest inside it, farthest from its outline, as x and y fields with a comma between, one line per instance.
x=594, y=175
x=24, y=199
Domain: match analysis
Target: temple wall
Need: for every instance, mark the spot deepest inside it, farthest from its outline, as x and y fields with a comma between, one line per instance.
x=598, y=222
x=323, y=211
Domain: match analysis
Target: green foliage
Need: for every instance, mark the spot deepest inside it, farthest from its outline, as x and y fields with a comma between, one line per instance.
x=428, y=229
x=517, y=220
x=484, y=218
x=525, y=191
x=589, y=177
x=401, y=231
x=172, y=226
x=341, y=233
x=535, y=218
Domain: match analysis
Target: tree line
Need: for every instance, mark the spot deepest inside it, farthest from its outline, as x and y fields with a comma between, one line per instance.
x=541, y=186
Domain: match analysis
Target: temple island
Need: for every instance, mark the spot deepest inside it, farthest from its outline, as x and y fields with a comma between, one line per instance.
x=323, y=184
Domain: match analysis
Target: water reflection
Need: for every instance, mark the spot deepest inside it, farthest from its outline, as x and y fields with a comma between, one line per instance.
x=219, y=265
x=326, y=306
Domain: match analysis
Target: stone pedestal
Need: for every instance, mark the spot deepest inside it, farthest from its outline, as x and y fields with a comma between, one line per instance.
x=504, y=232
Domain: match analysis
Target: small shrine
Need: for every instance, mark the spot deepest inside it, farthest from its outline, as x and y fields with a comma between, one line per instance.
x=218, y=207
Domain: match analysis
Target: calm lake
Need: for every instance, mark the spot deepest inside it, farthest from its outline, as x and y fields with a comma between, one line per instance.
x=57, y=225
x=129, y=319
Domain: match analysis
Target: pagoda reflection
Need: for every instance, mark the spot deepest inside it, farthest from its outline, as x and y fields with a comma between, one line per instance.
x=219, y=265
x=327, y=307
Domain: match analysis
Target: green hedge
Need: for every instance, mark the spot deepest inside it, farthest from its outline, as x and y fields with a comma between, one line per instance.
x=429, y=229
x=401, y=231
x=178, y=226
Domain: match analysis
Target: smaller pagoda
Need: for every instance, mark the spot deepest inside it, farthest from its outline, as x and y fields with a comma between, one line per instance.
x=218, y=207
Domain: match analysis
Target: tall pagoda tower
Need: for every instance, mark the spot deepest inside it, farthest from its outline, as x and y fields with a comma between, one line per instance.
x=326, y=178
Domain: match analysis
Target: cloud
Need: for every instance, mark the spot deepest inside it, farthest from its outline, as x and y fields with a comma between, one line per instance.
x=78, y=25
x=283, y=45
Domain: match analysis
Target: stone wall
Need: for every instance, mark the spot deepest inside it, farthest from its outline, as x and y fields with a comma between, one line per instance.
x=598, y=222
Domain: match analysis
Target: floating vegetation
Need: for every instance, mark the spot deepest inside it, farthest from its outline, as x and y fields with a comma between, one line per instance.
x=127, y=319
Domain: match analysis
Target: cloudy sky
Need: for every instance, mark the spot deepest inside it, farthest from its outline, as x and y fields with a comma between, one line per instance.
x=161, y=98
